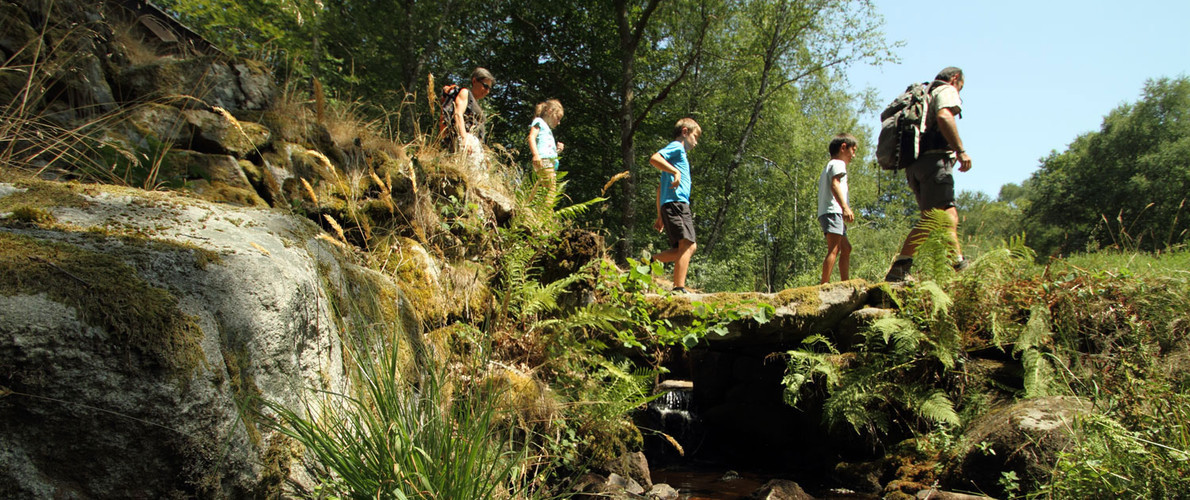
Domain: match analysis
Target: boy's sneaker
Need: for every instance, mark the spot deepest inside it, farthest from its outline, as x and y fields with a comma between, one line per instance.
x=961, y=265
x=899, y=271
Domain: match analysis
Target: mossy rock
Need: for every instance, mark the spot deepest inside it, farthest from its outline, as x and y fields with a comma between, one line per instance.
x=223, y=133
x=44, y=195
x=108, y=293
x=798, y=312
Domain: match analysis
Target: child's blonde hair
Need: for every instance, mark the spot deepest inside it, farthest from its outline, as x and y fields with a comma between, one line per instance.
x=549, y=110
x=686, y=123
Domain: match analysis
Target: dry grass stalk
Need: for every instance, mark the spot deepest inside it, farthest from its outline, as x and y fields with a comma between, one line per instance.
x=335, y=225
x=674, y=443
x=413, y=178
x=319, y=102
x=386, y=192
x=324, y=161
x=613, y=180
x=376, y=178
x=327, y=238
x=431, y=96
x=309, y=191
x=231, y=119
x=258, y=247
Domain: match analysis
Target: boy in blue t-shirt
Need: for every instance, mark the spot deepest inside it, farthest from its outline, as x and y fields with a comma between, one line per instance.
x=834, y=212
x=673, y=199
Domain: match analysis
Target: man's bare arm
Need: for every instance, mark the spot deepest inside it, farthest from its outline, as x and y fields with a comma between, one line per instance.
x=949, y=128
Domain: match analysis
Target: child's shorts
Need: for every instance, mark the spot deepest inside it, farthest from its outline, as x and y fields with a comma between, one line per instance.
x=832, y=224
x=549, y=164
x=679, y=222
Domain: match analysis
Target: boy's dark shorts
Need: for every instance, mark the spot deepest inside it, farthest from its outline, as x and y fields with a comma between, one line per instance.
x=932, y=181
x=679, y=222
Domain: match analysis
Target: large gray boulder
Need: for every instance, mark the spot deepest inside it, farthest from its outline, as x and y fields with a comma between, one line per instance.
x=1024, y=437
x=139, y=332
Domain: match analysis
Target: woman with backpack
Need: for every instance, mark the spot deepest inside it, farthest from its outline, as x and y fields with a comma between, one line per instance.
x=467, y=118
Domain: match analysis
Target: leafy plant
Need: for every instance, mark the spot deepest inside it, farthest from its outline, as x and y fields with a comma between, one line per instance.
x=625, y=290
x=403, y=434
x=901, y=368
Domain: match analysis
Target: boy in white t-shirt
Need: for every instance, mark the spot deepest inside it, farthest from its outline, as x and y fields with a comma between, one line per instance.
x=834, y=213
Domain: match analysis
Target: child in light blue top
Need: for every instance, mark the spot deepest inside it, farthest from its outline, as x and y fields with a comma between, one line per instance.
x=542, y=145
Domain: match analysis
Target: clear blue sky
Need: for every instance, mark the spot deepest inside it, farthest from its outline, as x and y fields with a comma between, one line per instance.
x=1038, y=73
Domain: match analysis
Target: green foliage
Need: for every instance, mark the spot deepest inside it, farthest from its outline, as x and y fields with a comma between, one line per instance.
x=625, y=291
x=1107, y=460
x=283, y=31
x=403, y=434
x=1035, y=350
x=149, y=168
x=894, y=371
x=935, y=253
x=1123, y=186
x=808, y=364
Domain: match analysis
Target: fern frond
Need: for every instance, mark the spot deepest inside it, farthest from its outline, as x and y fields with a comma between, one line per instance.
x=884, y=329
x=1037, y=332
x=906, y=341
x=1033, y=347
x=573, y=211
x=932, y=404
x=801, y=370
x=938, y=300
x=859, y=406
x=598, y=316
x=820, y=340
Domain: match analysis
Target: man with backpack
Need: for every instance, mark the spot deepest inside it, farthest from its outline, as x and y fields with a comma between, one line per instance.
x=930, y=175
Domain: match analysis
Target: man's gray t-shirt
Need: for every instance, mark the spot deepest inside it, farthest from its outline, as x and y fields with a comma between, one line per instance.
x=944, y=96
x=827, y=204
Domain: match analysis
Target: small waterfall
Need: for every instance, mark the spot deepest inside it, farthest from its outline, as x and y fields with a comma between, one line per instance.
x=673, y=415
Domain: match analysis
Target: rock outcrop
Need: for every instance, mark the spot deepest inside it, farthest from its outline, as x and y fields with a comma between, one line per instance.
x=139, y=332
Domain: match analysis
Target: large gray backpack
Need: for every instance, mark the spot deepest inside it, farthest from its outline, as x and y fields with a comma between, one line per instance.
x=902, y=125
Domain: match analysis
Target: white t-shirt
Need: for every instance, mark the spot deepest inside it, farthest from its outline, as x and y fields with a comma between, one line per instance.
x=827, y=204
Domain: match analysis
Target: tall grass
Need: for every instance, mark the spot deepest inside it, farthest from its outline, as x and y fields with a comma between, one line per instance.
x=39, y=136
x=404, y=433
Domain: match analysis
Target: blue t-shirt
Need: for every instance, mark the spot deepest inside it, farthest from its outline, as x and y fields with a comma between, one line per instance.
x=675, y=154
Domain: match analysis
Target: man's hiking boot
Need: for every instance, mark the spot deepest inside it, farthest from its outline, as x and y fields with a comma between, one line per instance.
x=961, y=265
x=899, y=272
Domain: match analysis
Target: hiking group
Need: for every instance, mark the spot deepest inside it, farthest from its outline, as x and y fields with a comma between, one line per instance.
x=919, y=134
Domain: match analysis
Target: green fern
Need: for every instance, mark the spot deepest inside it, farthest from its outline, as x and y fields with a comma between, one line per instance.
x=1035, y=350
x=931, y=403
x=935, y=254
x=899, y=363
x=805, y=365
x=573, y=211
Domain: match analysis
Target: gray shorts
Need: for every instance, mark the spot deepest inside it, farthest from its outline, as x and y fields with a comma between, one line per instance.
x=932, y=181
x=832, y=224
x=679, y=222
